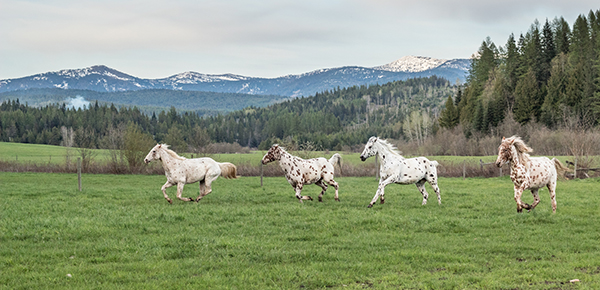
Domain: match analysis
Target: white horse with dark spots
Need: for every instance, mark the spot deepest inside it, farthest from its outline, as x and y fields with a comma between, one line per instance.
x=396, y=169
x=528, y=172
x=299, y=172
x=181, y=171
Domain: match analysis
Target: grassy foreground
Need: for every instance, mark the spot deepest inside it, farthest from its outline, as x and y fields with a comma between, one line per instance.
x=121, y=233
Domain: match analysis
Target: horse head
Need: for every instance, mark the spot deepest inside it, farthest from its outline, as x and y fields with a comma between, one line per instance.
x=512, y=148
x=369, y=150
x=273, y=154
x=153, y=154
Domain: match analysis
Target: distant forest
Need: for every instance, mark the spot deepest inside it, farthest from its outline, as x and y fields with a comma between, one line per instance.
x=328, y=120
x=549, y=76
x=543, y=85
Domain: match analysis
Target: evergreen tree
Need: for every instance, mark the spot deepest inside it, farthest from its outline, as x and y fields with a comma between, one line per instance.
x=449, y=115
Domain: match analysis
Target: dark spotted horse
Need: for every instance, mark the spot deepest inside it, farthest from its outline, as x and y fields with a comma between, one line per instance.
x=528, y=172
x=395, y=168
x=300, y=172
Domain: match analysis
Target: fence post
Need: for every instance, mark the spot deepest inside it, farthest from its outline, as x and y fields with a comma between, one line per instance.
x=464, y=169
x=261, y=174
x=575, y=170
x=500, y=171
x=79, y=172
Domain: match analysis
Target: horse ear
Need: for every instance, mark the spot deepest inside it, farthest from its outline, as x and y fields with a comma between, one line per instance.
x=159, y=145
x=503, y=138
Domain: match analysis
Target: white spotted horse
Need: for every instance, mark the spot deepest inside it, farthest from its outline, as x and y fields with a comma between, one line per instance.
x=528, y=172
x=300, y=172
x=181, y=171
x=395, y=168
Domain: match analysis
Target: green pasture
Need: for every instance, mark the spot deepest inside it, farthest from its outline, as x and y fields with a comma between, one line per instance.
x=41, y=154
x=120, y=233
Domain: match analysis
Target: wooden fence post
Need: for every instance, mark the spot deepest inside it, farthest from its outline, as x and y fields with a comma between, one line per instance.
x=261, y=174
x=464, y=169
x=575, y=170
x=79, y=172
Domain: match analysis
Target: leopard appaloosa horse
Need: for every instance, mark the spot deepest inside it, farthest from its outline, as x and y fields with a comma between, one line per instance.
x=528, y=172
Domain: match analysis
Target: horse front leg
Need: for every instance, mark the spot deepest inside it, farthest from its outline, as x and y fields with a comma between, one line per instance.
x=520, y=204
x=299, y=196
x=180, y=192
x=536, y=199
x=164, y=190
x=380, y=191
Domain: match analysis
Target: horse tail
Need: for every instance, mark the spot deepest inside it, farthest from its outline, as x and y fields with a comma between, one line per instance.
x=228, y=170
x=560, y=168
x=336, y=159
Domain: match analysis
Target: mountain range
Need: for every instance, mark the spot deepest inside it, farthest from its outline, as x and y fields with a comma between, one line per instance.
x=101, y=78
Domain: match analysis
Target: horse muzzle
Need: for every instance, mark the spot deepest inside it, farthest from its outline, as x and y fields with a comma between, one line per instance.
x=146, y=161
x=362, y=158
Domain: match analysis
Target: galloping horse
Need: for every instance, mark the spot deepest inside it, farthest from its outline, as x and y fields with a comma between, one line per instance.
x=396, y=169
x=299, y=172
x=181, y=171
x=527, y=172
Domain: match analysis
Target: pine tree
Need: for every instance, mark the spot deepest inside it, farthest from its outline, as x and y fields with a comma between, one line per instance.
x=449, y=115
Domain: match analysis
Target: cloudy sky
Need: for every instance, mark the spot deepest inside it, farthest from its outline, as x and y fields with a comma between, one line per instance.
x=266, y=38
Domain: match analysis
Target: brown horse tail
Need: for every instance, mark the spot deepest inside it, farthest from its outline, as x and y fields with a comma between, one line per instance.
x=336, y=159
x=560, y=168
x=228, y=170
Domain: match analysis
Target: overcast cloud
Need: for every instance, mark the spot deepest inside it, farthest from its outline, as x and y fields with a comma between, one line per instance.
x=268, y=38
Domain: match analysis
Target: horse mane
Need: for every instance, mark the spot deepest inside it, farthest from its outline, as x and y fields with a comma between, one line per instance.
x=522, y=149
x=171, y=152
x=390, y=147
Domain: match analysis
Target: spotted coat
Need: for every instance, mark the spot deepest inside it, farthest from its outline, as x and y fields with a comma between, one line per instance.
x=527, y=172
x=300, y=172
x=395, y=168
x=181, y=171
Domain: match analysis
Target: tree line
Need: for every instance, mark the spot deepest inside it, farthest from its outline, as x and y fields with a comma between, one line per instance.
x=548, y=75
x=327, y=120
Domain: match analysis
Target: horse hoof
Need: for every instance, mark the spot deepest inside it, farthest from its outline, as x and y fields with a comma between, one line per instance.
x=382, y=201
x=370, y=205
x=309, y=198
x=337, y=199
x=170, y=201
x=320, y=199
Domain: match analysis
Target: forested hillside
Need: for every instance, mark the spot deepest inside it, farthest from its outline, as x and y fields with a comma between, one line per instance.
x=148, y=101
x=328, y=120
x=549, y=76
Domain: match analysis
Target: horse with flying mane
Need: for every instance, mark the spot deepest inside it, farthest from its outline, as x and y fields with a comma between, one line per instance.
x=299, y=172
x=181, y=171
x=395, y=168
x=528, y=172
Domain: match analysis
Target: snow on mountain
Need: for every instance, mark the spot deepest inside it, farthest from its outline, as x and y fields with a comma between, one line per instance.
x=104, y=79
x=412, y=64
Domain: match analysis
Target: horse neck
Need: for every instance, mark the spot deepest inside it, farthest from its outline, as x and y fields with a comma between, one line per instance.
x=518, y=159
x=384, y=154
x=283, y=155
x=168, y=161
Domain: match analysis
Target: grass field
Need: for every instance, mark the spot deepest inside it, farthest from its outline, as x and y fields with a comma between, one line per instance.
x=120, y=233
x=40, y=154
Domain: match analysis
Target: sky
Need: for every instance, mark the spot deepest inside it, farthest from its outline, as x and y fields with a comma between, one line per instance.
x=266, y=38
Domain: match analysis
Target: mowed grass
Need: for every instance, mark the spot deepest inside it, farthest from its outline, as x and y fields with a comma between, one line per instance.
x=119, y=232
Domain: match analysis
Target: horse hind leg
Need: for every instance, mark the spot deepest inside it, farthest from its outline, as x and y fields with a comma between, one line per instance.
x=207, y=186
x=164, y=190
x=552, y=188
x=421, y=186
x=433, y=182
x=202, y=188
x=321, y=184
